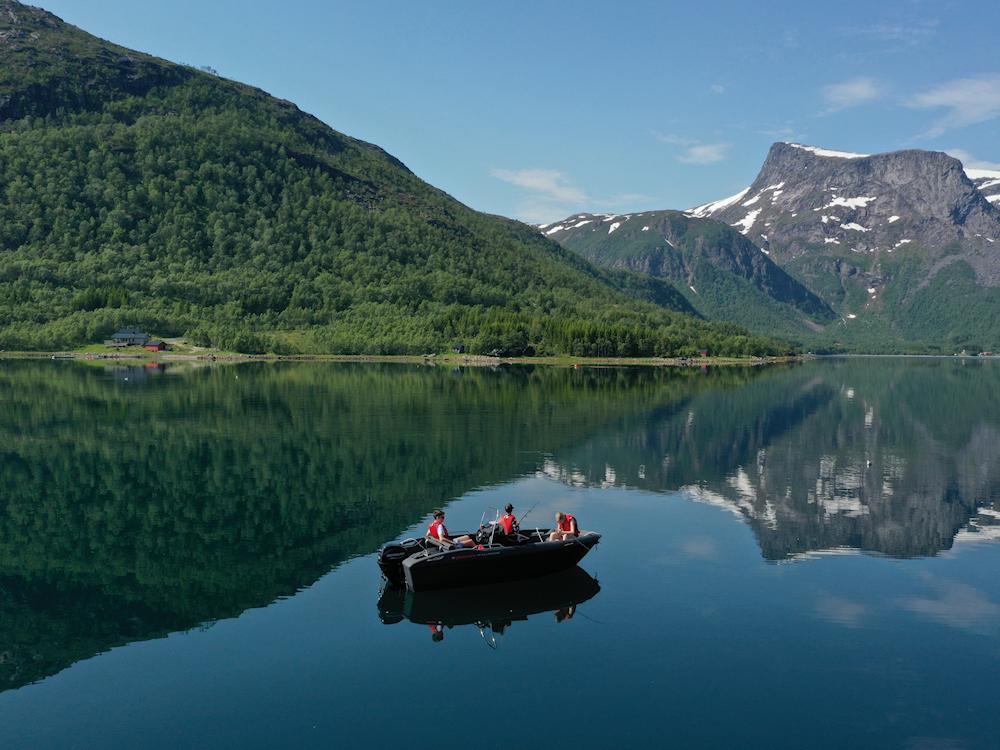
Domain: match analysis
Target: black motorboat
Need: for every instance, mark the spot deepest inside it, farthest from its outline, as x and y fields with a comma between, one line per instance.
x=426, y=564
x=491, y=608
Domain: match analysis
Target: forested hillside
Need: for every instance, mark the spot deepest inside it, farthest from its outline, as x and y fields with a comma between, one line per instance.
x=137, y=191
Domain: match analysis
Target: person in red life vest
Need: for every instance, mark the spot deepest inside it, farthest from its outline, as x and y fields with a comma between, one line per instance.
x=439, y=531
x=508, y=521
x=566, y=613
x=566, y=528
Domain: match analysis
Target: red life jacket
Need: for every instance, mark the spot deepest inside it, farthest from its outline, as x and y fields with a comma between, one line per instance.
x=567, y=524
x=438, y=531
x=508, y=522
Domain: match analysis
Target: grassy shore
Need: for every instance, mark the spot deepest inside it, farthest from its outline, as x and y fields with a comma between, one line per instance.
x=193, y=354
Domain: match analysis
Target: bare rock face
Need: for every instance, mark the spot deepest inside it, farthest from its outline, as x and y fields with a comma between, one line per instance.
x=809, y=200
x=41, y=59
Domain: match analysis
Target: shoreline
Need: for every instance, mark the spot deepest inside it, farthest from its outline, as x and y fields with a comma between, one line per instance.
x=453, y=360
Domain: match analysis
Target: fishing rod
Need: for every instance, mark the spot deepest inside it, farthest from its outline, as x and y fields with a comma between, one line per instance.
x=525, y=514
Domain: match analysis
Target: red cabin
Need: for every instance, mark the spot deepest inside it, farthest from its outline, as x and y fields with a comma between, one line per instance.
x=155, y=346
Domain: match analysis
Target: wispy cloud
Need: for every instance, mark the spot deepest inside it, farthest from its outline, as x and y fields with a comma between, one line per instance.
x=957, y=605
x=701, y=547
x=785, y=131
x=717, y=88
x=850, y=93
x=673, y=140
x=705, y=153
x=840, y=610
x=971, y=162
x=905, y=33
x=549, y=183
x=967, y=100
x=694, y=151
x=551, y=195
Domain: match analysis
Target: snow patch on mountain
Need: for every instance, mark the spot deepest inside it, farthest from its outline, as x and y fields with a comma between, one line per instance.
x=747, y=221
x=829, y=153
x=859, y=202
x=707, y=209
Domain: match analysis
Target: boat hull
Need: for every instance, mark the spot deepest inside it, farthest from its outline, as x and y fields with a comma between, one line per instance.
x=432, y=569
x=494, y=603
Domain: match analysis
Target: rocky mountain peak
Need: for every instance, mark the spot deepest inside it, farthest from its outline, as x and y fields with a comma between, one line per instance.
x=807, y=198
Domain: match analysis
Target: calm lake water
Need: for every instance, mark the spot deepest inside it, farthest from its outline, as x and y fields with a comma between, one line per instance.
x=793, y=557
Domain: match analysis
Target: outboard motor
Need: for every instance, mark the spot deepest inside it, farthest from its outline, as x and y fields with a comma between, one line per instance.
x=391, y=556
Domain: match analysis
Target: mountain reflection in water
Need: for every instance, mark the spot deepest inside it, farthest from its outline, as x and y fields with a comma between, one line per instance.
x=132, y=509
x=890, y=456
x=492, y=609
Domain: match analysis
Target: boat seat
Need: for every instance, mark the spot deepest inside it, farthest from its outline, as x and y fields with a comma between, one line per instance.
x=437, y=543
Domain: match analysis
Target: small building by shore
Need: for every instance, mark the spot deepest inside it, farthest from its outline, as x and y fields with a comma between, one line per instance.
x=128, y=337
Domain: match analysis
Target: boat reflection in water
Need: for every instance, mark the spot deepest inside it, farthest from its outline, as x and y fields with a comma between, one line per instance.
x=493, y=608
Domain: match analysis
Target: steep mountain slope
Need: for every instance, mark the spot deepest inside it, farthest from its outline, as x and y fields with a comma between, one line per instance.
x=723, y=275
x=134, y=190
x=903, y=244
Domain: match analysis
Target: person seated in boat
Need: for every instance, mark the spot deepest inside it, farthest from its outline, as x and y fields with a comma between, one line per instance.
x=566, y=613
x=508, y=521
x=566, y=528
x=439, y=531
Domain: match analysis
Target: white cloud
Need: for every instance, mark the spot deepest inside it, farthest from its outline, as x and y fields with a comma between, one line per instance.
x=552, y=195
x=701, y=547
x=967, y=100
x=549, y=183
x=694, y=151
x=851, y=93
x=957, y=605
x=840, y=610
x=705, y=153
x=971, y=162
x=717, y=88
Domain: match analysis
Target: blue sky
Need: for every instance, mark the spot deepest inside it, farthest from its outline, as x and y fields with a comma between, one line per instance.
x=540, y=109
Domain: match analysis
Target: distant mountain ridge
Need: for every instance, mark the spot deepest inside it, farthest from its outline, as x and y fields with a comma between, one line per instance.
x=721, y=273
x=903, y=247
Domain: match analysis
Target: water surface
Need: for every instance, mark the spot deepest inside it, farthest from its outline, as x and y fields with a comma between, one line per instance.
x=798, y=556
